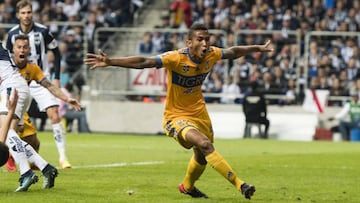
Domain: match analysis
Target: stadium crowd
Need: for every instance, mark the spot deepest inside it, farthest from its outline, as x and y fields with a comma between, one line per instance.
x=69, y=32
x=333, y=61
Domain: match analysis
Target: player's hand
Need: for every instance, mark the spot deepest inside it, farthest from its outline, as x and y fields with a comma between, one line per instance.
x=266, y=47
x=12, y=101
x=74, y=103
x=97, y=60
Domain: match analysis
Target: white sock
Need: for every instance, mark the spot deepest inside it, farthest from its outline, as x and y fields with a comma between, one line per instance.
x=34, y=158
x=60, y=140
x=17, y=150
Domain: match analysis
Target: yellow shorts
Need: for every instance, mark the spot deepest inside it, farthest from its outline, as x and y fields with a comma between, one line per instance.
x=179, y=126
x=29, y=128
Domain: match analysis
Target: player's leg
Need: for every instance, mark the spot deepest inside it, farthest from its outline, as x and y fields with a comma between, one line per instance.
x=217, y=161
x=13, y=141
x=28, y=133
x=47, y=102
x=17, y=150
x=194, y=170
x=59, y=135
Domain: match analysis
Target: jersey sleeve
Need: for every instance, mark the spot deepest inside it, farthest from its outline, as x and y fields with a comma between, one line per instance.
x=218, y=52
x=168, y=59
x=38, y=74
x=50, y=41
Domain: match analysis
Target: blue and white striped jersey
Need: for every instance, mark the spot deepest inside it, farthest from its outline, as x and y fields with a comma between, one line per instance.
x=41, y=40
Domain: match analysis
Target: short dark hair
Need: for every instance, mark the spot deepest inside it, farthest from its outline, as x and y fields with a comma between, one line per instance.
x=23, y=3
x=21, y=37
x=4, y=154
x=195, y=27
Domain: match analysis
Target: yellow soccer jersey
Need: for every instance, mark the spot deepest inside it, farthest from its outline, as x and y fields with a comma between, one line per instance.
x=185, y=78
x=32, y=72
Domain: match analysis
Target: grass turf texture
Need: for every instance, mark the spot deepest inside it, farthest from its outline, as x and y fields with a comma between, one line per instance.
x=123, y=168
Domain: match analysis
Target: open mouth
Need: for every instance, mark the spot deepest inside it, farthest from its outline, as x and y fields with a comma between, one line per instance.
x=22, y=56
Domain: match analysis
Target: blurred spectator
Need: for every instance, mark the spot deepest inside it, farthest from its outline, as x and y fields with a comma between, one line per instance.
x=165, y=22
x=230, y=90
x=213, y=85
x=336, y=90
x=337, y=61
x=352, y=70
x=290, y=94
x=221, y=12
x=69, y=7
x=91, y=25
x=280, y=82
x=65, y=111
x=146, y=46
x=181, y=13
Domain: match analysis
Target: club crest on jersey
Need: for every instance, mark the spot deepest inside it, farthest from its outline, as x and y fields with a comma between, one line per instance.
x=186, y=68
x=207, y=65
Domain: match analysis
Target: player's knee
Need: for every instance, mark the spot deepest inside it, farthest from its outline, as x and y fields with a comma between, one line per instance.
x=53, y=116
x=33, y=141
x=36, y=145
x=205, y=146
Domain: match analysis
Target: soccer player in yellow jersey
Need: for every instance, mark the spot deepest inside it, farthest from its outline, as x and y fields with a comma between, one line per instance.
x=186, y=118
x=32, y=72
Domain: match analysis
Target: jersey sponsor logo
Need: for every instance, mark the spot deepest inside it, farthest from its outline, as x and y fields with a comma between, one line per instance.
x=188, y=81
x=37, y=40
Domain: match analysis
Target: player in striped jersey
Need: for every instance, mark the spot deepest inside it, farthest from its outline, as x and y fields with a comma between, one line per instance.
x=23, y=153
x=186, y=118
x=41, y=41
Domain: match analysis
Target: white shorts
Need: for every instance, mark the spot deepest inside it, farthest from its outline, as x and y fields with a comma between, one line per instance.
x=19, y=83
x=42, y=96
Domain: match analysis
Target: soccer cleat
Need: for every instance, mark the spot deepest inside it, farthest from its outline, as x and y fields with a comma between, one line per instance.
x=10, y=165
x=195, y=193
x=26, y=181
x=65, y=164
x=247, y=190
x=49, y=177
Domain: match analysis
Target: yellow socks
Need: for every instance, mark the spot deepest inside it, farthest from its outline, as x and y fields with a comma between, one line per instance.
x=193, y=173
x=216, y=161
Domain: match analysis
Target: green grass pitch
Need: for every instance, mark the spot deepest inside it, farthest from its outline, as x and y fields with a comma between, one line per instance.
x=148, y=169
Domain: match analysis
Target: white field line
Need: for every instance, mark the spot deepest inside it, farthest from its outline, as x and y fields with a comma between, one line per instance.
x=120, y=164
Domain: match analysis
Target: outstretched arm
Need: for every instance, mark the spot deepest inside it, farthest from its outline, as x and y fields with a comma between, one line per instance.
x=239, y=51
x=59, y=94
x=135, y=62
x=11, y=105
